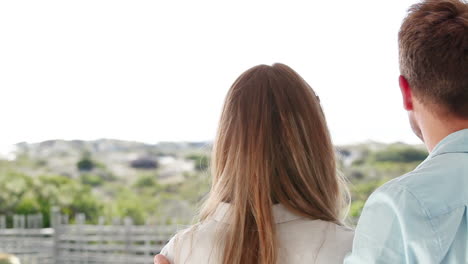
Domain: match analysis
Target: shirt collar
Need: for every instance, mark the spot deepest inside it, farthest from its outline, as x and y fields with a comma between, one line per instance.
x=454, y=143
x=280, y=214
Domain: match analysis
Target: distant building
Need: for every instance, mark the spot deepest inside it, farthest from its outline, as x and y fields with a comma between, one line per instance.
x=144, y=164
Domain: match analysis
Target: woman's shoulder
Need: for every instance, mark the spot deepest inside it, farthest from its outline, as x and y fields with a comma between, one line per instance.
x=337, y=244
x=307, y=226
x=340, y=232
x=199, y=236
x=333, y=234
x=318, y=240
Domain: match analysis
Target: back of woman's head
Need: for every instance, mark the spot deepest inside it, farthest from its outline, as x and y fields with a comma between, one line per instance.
x=272, y=146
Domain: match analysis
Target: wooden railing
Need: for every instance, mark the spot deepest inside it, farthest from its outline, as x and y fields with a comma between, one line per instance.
x=81, y=243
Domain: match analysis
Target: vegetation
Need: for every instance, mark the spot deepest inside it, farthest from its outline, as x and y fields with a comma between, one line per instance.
x=85, y=164
x=399, y=154
x=22, y=194
x=374, y=168
x=91, y=179
x=200, y=160
x=27, y=187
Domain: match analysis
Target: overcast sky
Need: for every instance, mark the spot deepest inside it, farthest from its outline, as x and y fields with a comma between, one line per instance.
x=159, y=70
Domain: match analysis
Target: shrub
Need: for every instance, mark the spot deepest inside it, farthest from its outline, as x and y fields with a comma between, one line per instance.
x=85, y=164
x=145, y=181
x=405, y=154
x=91, y=179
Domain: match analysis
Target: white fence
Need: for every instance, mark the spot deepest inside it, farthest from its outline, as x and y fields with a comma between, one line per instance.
x=81, y=243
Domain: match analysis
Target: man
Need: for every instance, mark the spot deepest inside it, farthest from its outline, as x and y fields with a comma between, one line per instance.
x=422, y=217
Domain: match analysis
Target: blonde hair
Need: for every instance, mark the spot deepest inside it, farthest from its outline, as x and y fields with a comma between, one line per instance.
x=272, y=146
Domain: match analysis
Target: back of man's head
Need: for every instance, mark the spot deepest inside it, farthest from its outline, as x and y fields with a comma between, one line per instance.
x=433, y=43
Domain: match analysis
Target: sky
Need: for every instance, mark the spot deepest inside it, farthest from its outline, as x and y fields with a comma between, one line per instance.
x=156, y=71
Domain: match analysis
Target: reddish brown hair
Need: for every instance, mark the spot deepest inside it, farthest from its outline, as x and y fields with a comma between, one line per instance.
x=433, y=43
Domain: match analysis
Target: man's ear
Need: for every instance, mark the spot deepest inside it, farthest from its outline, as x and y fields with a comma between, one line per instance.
x=406, y=93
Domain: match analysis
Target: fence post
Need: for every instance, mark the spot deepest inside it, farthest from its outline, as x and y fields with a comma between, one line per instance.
x=40, y=221
x=80, y=220
x=55, y=222
x=128, y=238
x=100, y=234
x=3, y=226
x=65, y=219
x=32, y=221
x=15, y=221
x=22, y=231
x=29, y=220
x=116, y=221
x=2, y=222
x=147, y=240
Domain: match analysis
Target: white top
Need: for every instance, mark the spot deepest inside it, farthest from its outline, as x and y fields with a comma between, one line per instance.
x=301, y=240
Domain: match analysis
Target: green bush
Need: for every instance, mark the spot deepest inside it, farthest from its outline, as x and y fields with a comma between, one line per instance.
x=22, y=194
x=28, y=205
x=131, y=205
x=13, y=187
x=91, y=179
x=404, y=154
x=85, y=164
x=146, y=181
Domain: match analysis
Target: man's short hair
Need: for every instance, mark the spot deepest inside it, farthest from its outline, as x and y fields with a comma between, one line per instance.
x=433, y=43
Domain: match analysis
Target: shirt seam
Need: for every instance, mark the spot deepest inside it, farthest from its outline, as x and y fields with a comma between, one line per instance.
x=447, y=152
x=428, y=215
x=436, y=154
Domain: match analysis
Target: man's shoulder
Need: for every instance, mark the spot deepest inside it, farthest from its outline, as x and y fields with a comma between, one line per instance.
x=438, y=185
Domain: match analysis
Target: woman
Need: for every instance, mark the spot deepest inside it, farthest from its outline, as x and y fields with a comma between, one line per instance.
x=276, y=196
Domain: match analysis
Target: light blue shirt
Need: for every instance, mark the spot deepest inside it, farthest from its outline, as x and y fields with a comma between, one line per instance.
x=420, y=217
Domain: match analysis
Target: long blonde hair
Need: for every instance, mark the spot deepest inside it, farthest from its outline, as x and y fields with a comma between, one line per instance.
x=272, y=146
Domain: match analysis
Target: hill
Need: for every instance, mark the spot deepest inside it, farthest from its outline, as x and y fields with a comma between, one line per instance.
x=162, y=182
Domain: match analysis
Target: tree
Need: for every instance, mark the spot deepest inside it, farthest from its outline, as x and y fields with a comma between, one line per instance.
x=85, y=164
x=13, y=187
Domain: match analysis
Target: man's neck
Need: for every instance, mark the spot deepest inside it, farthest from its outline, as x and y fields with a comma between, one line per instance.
x=435, y=129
